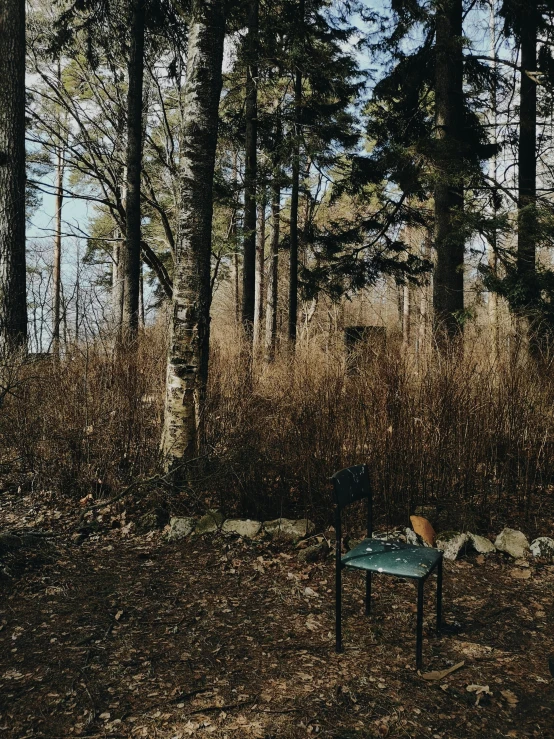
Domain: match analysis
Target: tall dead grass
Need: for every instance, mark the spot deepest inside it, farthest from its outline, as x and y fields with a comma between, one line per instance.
x=470, y=434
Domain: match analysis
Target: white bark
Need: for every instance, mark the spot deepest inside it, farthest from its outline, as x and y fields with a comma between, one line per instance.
x=187, y=366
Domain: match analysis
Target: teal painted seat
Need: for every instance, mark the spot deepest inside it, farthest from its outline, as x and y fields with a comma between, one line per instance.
x=378, y=556
x=392, y=558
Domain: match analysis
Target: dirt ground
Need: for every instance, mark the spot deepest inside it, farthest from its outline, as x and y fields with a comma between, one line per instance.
x=128, y=636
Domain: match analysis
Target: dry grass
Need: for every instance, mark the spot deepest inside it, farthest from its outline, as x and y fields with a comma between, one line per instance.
x=470, y=434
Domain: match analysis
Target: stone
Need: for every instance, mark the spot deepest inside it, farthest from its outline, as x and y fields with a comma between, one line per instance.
x=412, y=538
x=481, y=544
x=451, y=544
x=210, y=522
x=513, y=542
x=396, y=535
x=288, y=529
x=154, y=519
x=315, y=553
x=180, y=528
x=245, y=528
x=543, y=547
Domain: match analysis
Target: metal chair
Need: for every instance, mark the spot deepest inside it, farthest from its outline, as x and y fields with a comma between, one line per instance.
x=373, y=555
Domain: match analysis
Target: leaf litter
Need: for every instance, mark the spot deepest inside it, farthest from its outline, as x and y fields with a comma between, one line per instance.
x=127, y=636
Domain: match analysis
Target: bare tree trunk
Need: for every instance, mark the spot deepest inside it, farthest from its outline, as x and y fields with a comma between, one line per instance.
x=187, y=366
x=406, y=315
x=233, y=232
x=493, y=257
x=131, y=251
x=56, y=272
x=273, y=273
x=13, y=298
x=260, y=267
x=142, y=311
x=117, y=284
x=77, y=296
x=293, y=262
x=293, y=259
x=448, y=282
x=424, y=301
x=250, y=173
x=527, y=167
x=236, y=275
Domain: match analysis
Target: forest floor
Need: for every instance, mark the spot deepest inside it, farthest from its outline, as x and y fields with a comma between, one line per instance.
x=128, y=636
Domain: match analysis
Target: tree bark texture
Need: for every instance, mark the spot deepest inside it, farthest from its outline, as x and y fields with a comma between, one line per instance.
x=187, y=367
x=527, y=168
x=260, y=268
x=293, y=258
x=527, y=162
x=273, y=275
x=13, y=298
x=406, y=315
x=131, y=251
x=56, y=272
x=250, y=172
x=423, y=339
x=448, y=278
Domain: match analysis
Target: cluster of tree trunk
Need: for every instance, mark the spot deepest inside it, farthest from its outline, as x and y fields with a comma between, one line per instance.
x=189, y=287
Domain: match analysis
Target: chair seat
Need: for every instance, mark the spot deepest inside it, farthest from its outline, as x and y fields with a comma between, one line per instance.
x=392, y=558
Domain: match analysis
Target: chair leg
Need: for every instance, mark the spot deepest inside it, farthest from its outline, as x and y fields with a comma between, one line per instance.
x=338, y=610
x=368, y=593
x=419, y=627
x=439, y=596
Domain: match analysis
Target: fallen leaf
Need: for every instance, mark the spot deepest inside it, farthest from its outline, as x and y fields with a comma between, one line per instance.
x=510, y=697
x=440, y=674
x=479, y=690
x=521, y=574
x=423, y=528
x=118, y=615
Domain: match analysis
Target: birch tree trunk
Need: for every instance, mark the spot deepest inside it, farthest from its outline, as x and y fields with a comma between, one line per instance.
x=448, y=278
x=131, y=250
x=13, y=298
x=187, y=366
x=249, y=259
x=273, y=273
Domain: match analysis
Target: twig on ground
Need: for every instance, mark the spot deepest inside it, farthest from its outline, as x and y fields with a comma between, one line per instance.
x=226, y=707
x=139, y=484
x=176, y=699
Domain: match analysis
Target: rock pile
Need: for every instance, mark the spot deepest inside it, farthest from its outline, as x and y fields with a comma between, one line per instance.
x=285, y=529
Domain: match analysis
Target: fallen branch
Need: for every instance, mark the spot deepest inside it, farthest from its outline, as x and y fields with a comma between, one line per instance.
x=225, y=707
x=139, y=484
x=176, y=699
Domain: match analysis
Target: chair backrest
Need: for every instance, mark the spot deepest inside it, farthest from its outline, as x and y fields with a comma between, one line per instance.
x=350, y=485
